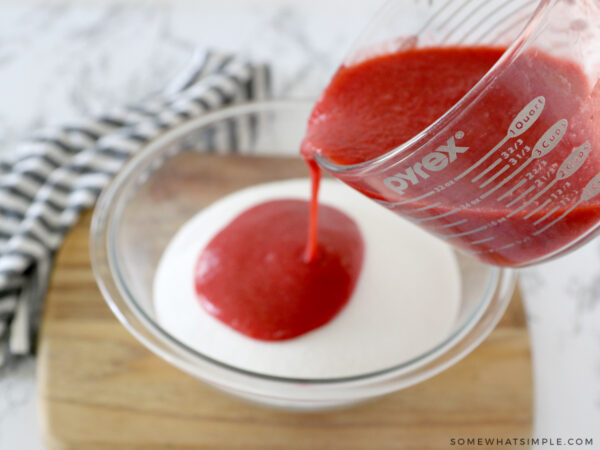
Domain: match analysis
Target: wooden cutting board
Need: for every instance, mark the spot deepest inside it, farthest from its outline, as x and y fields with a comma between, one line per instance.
x=100, y=389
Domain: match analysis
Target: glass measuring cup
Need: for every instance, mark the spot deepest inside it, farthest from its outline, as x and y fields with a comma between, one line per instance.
x=511, y=173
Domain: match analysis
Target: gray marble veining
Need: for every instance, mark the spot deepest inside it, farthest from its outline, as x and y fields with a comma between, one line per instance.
x=65, y=60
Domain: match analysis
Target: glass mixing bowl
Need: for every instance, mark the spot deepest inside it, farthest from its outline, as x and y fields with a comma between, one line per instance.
x=186, y=169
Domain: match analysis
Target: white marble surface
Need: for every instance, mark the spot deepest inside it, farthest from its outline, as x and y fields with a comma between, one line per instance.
x=61, y=60
x=562, y=299
x=19, y=428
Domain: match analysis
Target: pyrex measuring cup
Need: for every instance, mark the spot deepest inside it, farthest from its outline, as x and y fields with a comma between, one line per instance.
x=511, y=173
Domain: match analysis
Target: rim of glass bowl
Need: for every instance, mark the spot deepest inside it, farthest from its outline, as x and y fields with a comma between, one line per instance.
x=512, y=51
x=123, y=304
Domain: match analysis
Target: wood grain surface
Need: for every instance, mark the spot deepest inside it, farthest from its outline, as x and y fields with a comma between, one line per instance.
x=101, y=389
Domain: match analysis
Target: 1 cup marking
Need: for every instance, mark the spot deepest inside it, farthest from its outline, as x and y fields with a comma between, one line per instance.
x=520, y=124
x=542, y=147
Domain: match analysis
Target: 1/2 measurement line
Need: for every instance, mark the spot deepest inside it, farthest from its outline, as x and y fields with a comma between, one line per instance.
x=561, y=217
x=543, y=205
x=549, y=213
x=513, y=189
x=514, y=211
x=520, y=197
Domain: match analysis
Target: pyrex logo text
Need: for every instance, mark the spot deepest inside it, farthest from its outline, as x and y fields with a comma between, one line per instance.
x=432, y=162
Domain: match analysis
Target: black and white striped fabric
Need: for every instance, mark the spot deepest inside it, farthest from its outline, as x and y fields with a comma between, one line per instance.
x=51, y=179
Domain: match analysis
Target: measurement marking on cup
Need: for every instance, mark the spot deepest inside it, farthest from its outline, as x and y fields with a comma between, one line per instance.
x=542, y=206
x=481, y=241
x=514, y=211
x=496, y=175
x=507, y=246
x=486, y=156
x=589, y=191
x=558, y=219
x=425, y=208
x=404, y=202
x=513, y=189
x=466, y=233
x=450, y=225
x=548, y=214
x=542, y=192
x=569, y=166
x=507, y=179
x=427, y=219
x=520, y=197
x=520, y=124
x=542, y=147
x=490, y=167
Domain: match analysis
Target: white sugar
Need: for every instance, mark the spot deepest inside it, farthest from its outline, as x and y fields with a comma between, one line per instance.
x=404, y=304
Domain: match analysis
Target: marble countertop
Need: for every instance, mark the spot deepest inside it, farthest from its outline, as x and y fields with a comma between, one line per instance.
x=60, y=60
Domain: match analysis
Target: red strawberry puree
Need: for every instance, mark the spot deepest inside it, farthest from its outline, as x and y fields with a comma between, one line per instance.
x=536, y=192
x=254, y=275
x=261, y=277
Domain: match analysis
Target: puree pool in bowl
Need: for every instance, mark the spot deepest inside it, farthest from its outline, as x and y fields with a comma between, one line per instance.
x=406, y=300
x=178, y=176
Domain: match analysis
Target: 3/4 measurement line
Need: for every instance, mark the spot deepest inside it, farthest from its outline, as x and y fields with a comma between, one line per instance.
x=543, y=205
x=481, y=241
x=490, y=167
x=486, y=156
x=549, y=213
x=496, y=175
x=512, y=189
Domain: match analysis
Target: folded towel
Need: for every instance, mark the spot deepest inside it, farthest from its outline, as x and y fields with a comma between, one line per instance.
x=51, y=179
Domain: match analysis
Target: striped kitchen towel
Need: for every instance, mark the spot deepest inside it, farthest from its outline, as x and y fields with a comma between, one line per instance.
x=56, y=175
